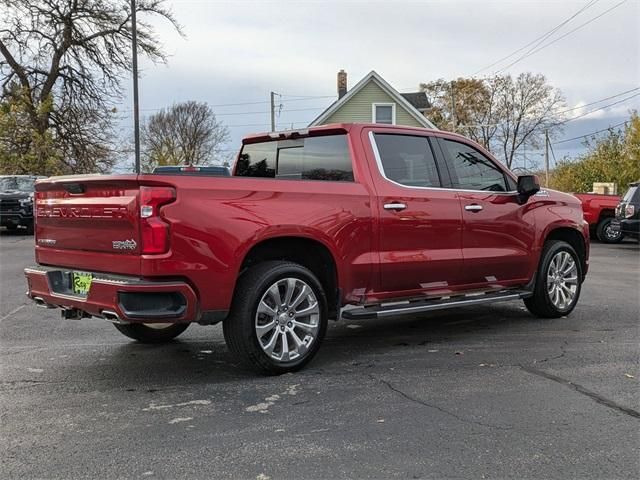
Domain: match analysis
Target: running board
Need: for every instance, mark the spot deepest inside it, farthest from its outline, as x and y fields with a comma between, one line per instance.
x=419, y=306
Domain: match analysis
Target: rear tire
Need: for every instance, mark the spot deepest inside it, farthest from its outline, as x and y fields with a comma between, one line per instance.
x=147, y=334
x=278, y=318
x=558, y=281
x=605, y=234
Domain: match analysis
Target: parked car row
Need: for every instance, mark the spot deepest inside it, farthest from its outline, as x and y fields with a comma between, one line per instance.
x=610, y=217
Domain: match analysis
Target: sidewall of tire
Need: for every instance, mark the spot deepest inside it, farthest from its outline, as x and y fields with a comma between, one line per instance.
x=539, y=303
x=239, y=328
x=600, y=231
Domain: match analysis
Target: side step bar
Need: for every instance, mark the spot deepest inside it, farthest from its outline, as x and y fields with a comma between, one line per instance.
x=419, y=306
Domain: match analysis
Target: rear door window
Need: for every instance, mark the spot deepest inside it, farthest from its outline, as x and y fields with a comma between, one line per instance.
x=312, y=158
x=472, y=170
x=407, y=160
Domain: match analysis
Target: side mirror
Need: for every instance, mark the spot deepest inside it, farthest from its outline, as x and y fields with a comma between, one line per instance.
x=528, y=185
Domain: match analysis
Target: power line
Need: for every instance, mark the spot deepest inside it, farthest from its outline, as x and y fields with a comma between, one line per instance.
x=598, y=101
x=596, y=109
x=296, y=99
x=592, y=133
x=541, y=38
x=528, y=54
x=570, y=109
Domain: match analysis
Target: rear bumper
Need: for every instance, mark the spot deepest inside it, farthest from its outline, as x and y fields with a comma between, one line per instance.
x=116, y=298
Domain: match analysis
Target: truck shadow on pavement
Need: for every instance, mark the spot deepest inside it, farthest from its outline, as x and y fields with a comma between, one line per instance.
x=199, y=359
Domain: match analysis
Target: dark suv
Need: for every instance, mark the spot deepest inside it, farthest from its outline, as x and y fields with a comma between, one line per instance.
x=628, y=212
x=16, y=201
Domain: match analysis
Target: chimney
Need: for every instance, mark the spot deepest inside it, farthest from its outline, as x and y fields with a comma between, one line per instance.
x=342, y=83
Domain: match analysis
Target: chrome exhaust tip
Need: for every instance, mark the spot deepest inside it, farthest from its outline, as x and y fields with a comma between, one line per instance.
x=42, y=304
x=112, y=316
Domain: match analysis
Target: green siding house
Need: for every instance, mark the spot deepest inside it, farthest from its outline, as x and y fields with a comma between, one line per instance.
x=373, y=100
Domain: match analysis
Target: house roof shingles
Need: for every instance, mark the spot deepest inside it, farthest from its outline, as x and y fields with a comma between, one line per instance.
x=417, y=99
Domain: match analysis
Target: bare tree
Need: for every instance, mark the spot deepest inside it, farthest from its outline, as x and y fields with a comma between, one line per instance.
x=528, y=106
x=62, y=62
x=184, y=134
x=501, y=113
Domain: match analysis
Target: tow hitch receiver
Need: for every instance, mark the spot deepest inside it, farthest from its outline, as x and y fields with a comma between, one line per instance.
x=73, y=314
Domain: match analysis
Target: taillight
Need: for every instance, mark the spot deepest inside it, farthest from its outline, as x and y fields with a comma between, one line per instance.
x=629, y=210
x=154, y=230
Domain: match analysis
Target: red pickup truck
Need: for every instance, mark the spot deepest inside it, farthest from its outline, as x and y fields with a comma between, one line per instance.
x=599, y=211
x=340, y=221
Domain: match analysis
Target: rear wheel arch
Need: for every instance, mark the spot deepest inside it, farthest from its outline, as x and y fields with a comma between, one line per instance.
x=310, y=253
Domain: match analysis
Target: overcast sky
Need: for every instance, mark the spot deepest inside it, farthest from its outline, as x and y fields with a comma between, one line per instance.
x=238, y=51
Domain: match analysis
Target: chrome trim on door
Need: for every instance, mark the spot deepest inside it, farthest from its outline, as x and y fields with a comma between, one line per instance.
x=376, y=154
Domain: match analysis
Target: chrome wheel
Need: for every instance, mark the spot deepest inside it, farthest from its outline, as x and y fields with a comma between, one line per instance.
x=287, y=320
x=611, y=234
x=562, y=280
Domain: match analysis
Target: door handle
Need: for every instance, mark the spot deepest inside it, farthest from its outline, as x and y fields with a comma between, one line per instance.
x=474, y=207
x=395, y=206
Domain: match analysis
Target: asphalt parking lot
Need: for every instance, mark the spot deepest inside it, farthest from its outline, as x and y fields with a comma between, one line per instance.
x=484, y=392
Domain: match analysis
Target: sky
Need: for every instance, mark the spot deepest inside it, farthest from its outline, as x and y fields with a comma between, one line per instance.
x=237, y=52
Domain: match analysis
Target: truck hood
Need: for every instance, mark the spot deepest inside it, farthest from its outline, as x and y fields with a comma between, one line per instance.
x=14, y=194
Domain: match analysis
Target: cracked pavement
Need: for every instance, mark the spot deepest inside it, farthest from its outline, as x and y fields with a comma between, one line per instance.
x=482, y=392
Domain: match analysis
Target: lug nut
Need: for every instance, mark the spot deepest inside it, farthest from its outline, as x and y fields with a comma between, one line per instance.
x=289, y=324
x=291, y=314
x=282, y=328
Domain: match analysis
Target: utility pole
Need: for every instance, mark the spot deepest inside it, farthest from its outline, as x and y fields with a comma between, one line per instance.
x=453, y=108
x=546, y=157
x=136, y=115
x=273, y=111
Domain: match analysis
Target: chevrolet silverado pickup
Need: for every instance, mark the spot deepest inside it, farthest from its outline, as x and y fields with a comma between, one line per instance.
x=16, y=202
x=342, y=221
x=600, y=212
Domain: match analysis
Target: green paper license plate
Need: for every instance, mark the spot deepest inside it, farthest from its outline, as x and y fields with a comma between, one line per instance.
x=81, y=282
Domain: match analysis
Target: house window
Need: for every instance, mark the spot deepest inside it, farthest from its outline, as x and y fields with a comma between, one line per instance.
x=384, y=113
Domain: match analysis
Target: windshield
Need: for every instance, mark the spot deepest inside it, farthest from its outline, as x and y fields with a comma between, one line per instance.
x=22, y=184
x=628, y=197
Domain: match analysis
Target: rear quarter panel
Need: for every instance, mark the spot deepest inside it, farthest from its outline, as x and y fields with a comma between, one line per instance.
x=216, y=221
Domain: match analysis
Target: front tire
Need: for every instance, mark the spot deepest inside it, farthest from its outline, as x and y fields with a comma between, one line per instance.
x=558, y=281
x=278, y=318
x=606, y=234
x=151, y=333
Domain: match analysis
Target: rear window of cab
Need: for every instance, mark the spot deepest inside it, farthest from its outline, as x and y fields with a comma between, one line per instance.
x=312, y=158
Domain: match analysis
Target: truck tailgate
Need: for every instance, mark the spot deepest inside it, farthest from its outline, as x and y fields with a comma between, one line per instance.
x=89, y=222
